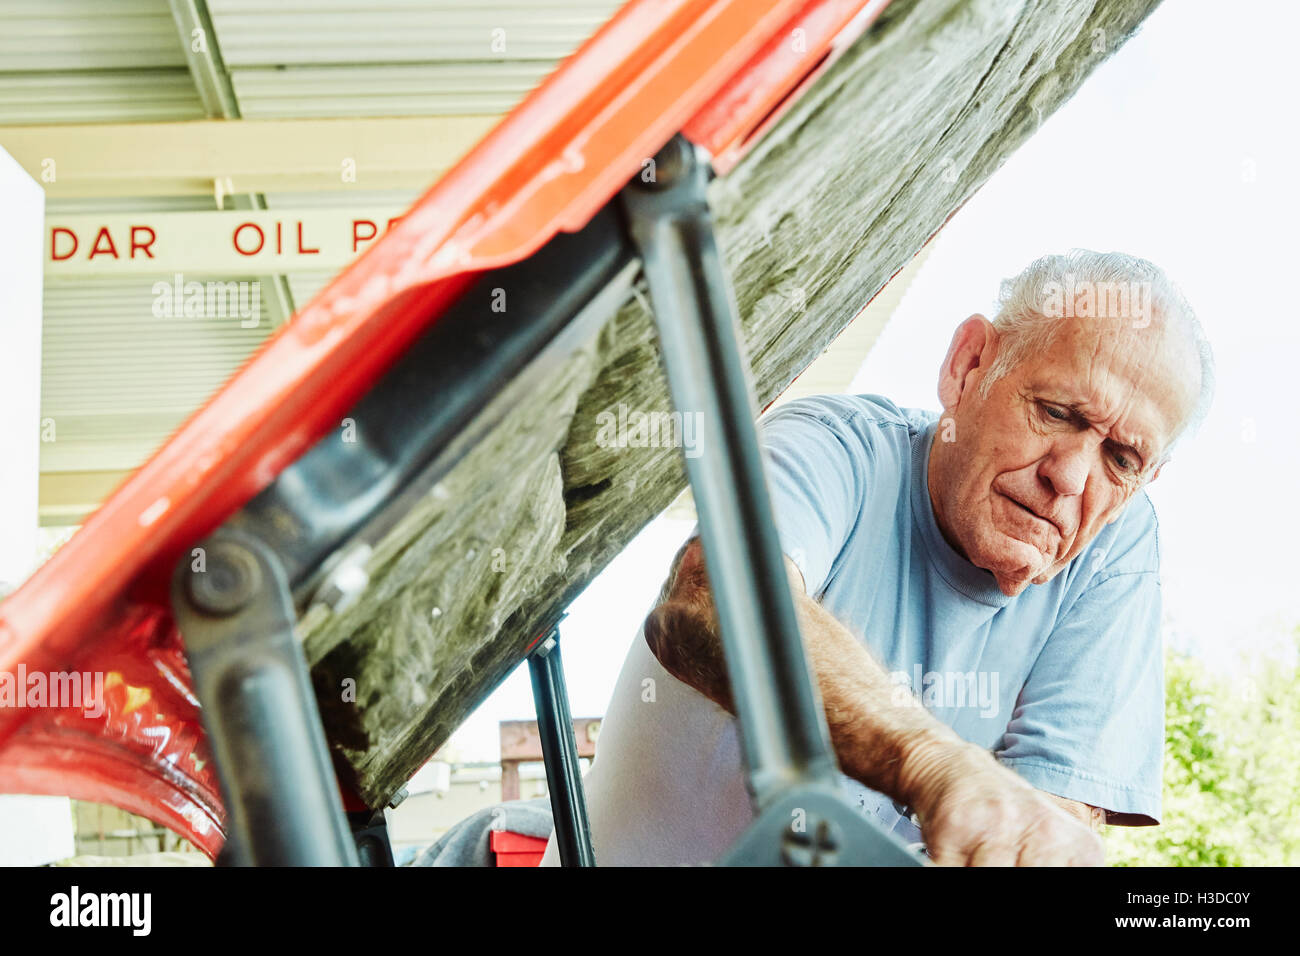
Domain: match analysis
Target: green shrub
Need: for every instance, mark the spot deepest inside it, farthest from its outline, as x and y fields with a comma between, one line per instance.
x=1232, y=770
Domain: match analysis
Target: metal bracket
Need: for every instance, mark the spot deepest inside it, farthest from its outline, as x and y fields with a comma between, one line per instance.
x=370, y=832
x=235, y=612
x=813, y=825
x=783, y=732
x=307, y=536
x=560, y=753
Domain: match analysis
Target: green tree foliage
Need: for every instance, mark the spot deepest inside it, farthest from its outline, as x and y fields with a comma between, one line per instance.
x=1232, y=770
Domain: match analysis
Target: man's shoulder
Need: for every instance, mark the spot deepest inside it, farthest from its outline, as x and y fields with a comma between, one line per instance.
x=866, y=415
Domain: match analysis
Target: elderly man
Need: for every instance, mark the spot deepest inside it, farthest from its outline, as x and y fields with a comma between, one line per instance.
x=977, y=590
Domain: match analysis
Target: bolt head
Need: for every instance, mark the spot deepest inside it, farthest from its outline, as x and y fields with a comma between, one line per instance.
x=230, y=581
x=671, y=163
x=816, y=846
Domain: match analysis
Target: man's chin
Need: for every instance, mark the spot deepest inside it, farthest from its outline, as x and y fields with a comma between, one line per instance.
x=1019, y=566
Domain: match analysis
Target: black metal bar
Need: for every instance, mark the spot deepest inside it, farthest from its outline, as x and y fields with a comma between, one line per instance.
x=510, y=330
x=783, y=731
x=370, y=834
x=560, y=752
x=235, y=612
x=320, y=515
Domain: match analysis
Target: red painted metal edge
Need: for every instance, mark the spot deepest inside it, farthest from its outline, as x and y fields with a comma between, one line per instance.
x=756, y=97
x=99, y=605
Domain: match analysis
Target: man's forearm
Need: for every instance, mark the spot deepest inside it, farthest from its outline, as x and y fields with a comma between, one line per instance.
x=881, y=736
x=973, y=811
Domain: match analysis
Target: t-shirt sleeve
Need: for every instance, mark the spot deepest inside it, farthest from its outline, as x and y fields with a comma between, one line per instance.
x=1089, y=721
x=817, y=463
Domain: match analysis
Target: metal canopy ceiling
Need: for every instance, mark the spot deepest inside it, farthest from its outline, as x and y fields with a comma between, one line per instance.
x=397, y=57
x=116, y=380
x=87, y=61
x=253, y=33
x=82, y=35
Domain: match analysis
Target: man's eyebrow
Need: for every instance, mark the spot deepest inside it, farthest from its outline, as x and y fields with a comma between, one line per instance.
x=1134, y=442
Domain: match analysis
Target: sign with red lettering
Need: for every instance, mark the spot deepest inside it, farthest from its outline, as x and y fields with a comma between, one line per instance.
x=214, y=243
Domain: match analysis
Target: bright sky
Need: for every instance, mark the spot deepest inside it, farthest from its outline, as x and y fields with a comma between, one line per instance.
x=1181, y=149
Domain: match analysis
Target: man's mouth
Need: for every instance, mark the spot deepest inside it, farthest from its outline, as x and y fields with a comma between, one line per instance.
x=1024, y=507
x=1031, y=512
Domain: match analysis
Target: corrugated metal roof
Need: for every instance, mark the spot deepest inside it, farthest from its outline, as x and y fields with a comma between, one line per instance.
x=448, y=89
x=32, y=99
x=396, y=57
x=117, y=380
x=91, y=61
x=301, y=32
x=48, y=35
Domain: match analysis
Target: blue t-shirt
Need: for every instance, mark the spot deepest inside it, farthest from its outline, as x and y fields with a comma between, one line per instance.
x=1063, y=683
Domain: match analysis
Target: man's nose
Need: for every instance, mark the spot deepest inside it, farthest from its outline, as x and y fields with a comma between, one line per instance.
x=1066, y=467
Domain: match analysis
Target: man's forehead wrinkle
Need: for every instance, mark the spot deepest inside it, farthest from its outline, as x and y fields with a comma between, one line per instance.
x=1135, y=427
x=1109, y=426
x=1104, y=375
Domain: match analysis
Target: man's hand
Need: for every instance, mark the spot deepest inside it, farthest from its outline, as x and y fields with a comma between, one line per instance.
x=974, y=812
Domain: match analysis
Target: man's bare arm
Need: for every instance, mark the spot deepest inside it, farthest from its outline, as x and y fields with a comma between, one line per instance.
x=972, y=809
x=682, y=634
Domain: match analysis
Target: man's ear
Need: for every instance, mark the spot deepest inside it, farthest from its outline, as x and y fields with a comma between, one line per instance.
x=975, y=341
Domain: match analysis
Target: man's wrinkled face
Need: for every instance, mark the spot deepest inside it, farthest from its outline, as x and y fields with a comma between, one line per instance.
x=1059, y=446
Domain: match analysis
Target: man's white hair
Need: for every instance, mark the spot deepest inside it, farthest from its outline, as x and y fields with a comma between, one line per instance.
x=1028, y=323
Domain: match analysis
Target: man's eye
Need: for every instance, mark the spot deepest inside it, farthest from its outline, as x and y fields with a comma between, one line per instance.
x=1053, y=411
x=1124, y=463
